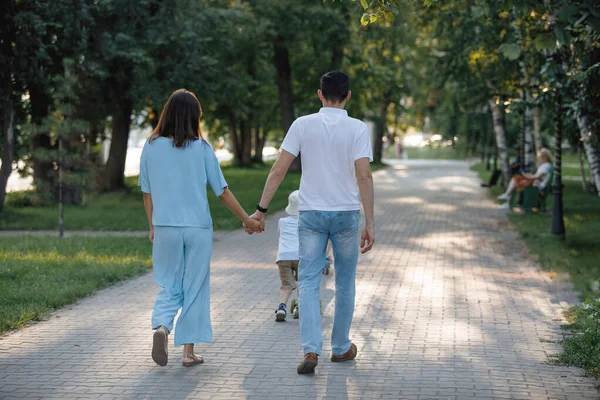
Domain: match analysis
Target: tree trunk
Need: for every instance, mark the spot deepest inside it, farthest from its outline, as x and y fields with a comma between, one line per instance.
x=490, y=144
x=527, y=150
x=233, y=133
x=592, y=150
x=8, y=148
x=245, y=158
x=537, y=129
x=259, y=145
x=241, y=139
x=528, y=136
x=112, y=178
x=558, y=222
x=281, y=60
x=339, y=42
x=380, y=129
x=582, y=169
x=41, y=145
x=500, y=131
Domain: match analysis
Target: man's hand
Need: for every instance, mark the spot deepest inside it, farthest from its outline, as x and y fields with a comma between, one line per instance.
x=256, y=217
x=367, y=239
x=151, y=235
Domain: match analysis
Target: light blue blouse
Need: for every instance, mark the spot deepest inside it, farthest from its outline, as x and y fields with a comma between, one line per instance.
x=177, y=178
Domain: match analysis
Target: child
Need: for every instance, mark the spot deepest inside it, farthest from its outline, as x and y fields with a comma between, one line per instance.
x=287, y=255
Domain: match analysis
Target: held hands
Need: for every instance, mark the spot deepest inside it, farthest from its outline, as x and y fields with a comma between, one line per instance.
x=255, y=223
x=367, y=239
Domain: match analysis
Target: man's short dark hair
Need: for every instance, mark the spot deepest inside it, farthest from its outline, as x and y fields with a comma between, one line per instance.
x=335, y=86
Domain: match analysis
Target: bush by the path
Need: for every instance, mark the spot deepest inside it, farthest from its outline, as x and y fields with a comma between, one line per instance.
x=124, y=210
x=39, y=274
x=582, y=345
x=577, y=256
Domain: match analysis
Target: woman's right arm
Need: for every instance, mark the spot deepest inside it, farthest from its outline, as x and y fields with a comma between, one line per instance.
x=148, y=208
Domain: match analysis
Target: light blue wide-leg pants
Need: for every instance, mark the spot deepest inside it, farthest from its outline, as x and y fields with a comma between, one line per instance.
x=315, y=228
x=181, y=262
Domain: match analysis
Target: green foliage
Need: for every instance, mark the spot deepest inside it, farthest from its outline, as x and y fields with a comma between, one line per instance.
x=40, y=274
x=24, y=198
x=123, y=211
x=581, y=347
x=512, y=51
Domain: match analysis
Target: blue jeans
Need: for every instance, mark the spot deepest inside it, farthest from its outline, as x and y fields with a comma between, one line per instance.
x=315, y=228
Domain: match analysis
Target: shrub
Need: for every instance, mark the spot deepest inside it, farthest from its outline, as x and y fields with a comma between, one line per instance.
x=581, y=347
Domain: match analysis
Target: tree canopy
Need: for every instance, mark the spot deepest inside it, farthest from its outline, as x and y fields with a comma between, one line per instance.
x=484, y=75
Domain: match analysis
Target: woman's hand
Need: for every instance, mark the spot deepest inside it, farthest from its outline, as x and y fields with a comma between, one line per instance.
x=151, y=235
x=252, y=225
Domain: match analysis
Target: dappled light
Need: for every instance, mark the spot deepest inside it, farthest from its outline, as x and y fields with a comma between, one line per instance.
x=478, y=122
x=447, y=298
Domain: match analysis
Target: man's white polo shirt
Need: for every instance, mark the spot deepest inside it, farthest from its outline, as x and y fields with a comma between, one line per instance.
x=329, y=143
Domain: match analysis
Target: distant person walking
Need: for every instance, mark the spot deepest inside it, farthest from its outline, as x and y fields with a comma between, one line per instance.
x=336, y=152
x=399, y=149
x=175, y=167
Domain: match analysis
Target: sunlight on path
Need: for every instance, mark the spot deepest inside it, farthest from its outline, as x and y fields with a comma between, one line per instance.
x=448, y=306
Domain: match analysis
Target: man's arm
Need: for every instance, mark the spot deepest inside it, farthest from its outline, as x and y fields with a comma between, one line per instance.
x=148, y=208
x=276, y=175
x=364, y=178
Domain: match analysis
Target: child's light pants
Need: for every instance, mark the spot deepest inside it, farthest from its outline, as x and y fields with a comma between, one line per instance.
x=181, y=262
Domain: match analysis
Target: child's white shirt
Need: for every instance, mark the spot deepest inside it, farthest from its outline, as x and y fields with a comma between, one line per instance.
x=288, y=239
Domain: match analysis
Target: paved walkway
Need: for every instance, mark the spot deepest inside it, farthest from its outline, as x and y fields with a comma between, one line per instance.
x=449, y=306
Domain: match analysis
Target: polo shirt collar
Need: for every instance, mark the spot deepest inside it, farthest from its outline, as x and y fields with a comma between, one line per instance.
x=331, y=110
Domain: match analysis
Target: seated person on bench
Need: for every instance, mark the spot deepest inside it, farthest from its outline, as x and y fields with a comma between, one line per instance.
x=539, y=179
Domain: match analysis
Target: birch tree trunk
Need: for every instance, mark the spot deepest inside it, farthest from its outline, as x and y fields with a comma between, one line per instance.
x=537, y=129
x=582, y=168
x=592, y=150
x=528, y=148
x=528, y=156
x=500, y=131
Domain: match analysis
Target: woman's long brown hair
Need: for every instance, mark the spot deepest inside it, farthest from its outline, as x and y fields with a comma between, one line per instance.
x=180, y=119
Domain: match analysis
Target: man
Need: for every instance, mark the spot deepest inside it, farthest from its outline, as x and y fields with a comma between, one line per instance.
x=336, y=152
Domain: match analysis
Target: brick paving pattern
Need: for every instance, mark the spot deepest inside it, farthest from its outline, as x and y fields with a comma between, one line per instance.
x=449, y=306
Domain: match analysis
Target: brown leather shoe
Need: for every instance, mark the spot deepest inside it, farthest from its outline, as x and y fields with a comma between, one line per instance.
x=308, y=364
x=347, y=356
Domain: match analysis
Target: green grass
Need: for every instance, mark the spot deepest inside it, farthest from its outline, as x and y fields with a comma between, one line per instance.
x=581, y=346
x=578, y=256
x=428, y=153
x=124, y=210
x=39, y=274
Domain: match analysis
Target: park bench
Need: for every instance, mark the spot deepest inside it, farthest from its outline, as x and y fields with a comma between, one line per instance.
x=532, y=196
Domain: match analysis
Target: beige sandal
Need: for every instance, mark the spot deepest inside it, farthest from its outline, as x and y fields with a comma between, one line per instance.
x=191, y=359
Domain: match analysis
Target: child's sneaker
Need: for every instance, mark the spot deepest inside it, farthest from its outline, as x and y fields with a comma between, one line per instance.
x=281, y=313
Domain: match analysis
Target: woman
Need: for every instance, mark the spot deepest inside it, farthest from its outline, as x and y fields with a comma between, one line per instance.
x=539, y=179
x=175, y=167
